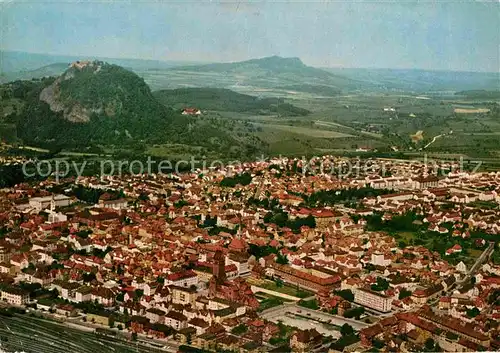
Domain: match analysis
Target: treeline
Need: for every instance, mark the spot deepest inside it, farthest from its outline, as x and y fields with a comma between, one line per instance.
x=220, y=99
x=92, y=195
x=479, y=94
x=282, y=219
x=398, y=223
x=11, y=175
x=242, y=179
x=332, y=197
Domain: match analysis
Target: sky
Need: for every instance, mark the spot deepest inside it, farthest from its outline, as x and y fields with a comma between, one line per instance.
x=437, y=35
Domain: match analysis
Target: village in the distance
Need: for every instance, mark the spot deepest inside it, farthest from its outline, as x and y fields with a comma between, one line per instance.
x=266, y=256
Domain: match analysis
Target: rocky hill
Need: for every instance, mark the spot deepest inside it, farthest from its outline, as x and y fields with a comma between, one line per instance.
x=98, y=104
x=100, y=89
x=91, y=102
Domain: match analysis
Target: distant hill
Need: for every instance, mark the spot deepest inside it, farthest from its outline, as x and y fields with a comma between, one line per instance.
x=272, y=64
x=270, y=72
x=277, y=73
x=479, y=94
x=421, y=80
x=226, y=100
x=25, y=66
x=44, y=71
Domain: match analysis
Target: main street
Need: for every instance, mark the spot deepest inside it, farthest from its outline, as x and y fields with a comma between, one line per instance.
x=471, y=272
x=480, y=260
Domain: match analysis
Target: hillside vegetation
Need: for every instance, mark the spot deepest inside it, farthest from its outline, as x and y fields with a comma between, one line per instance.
x=226, y=100
x=100, y=104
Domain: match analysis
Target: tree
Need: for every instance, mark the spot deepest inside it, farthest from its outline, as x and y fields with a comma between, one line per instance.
x=310, y=304
x=346, y=330
x=134, y=336
x=282, y=259
x=139, y=293
x=473, y=312
x=346, y=294
x=429, y=345
x=381, y=285
x=240, y=329
x=120, y=297
x=404, y=294
x=354, y=312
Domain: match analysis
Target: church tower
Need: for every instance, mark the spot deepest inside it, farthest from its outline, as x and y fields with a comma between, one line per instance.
x=219, y=267
x=52, y=204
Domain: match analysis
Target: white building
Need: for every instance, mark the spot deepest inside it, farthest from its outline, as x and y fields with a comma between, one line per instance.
x=378, y=259
x=119, y=204
x=56, y=217
x=372, y=300
x=176, y=320
x=182, y=279
x=15, y=296
x=41, y=203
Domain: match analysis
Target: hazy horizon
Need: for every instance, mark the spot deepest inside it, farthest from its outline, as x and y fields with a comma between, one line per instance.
x=179, y=63
x=462, y=36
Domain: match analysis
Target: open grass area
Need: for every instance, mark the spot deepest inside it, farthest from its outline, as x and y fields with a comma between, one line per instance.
x=264, y=296
x=285, y=289
x=311, y=132
x=441, y=242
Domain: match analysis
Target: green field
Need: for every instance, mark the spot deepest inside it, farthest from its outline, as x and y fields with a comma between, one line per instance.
x=285, y=289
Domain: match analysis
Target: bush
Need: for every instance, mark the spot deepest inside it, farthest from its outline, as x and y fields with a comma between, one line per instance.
x=310, y=304
x=404, y=294
x=355, y=312
x=240, y=329
x=346, y=294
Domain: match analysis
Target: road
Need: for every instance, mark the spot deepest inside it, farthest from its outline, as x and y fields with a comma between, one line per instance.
x=472, y=271
x=30, y=334
x=479, y=262
x=433, y=140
